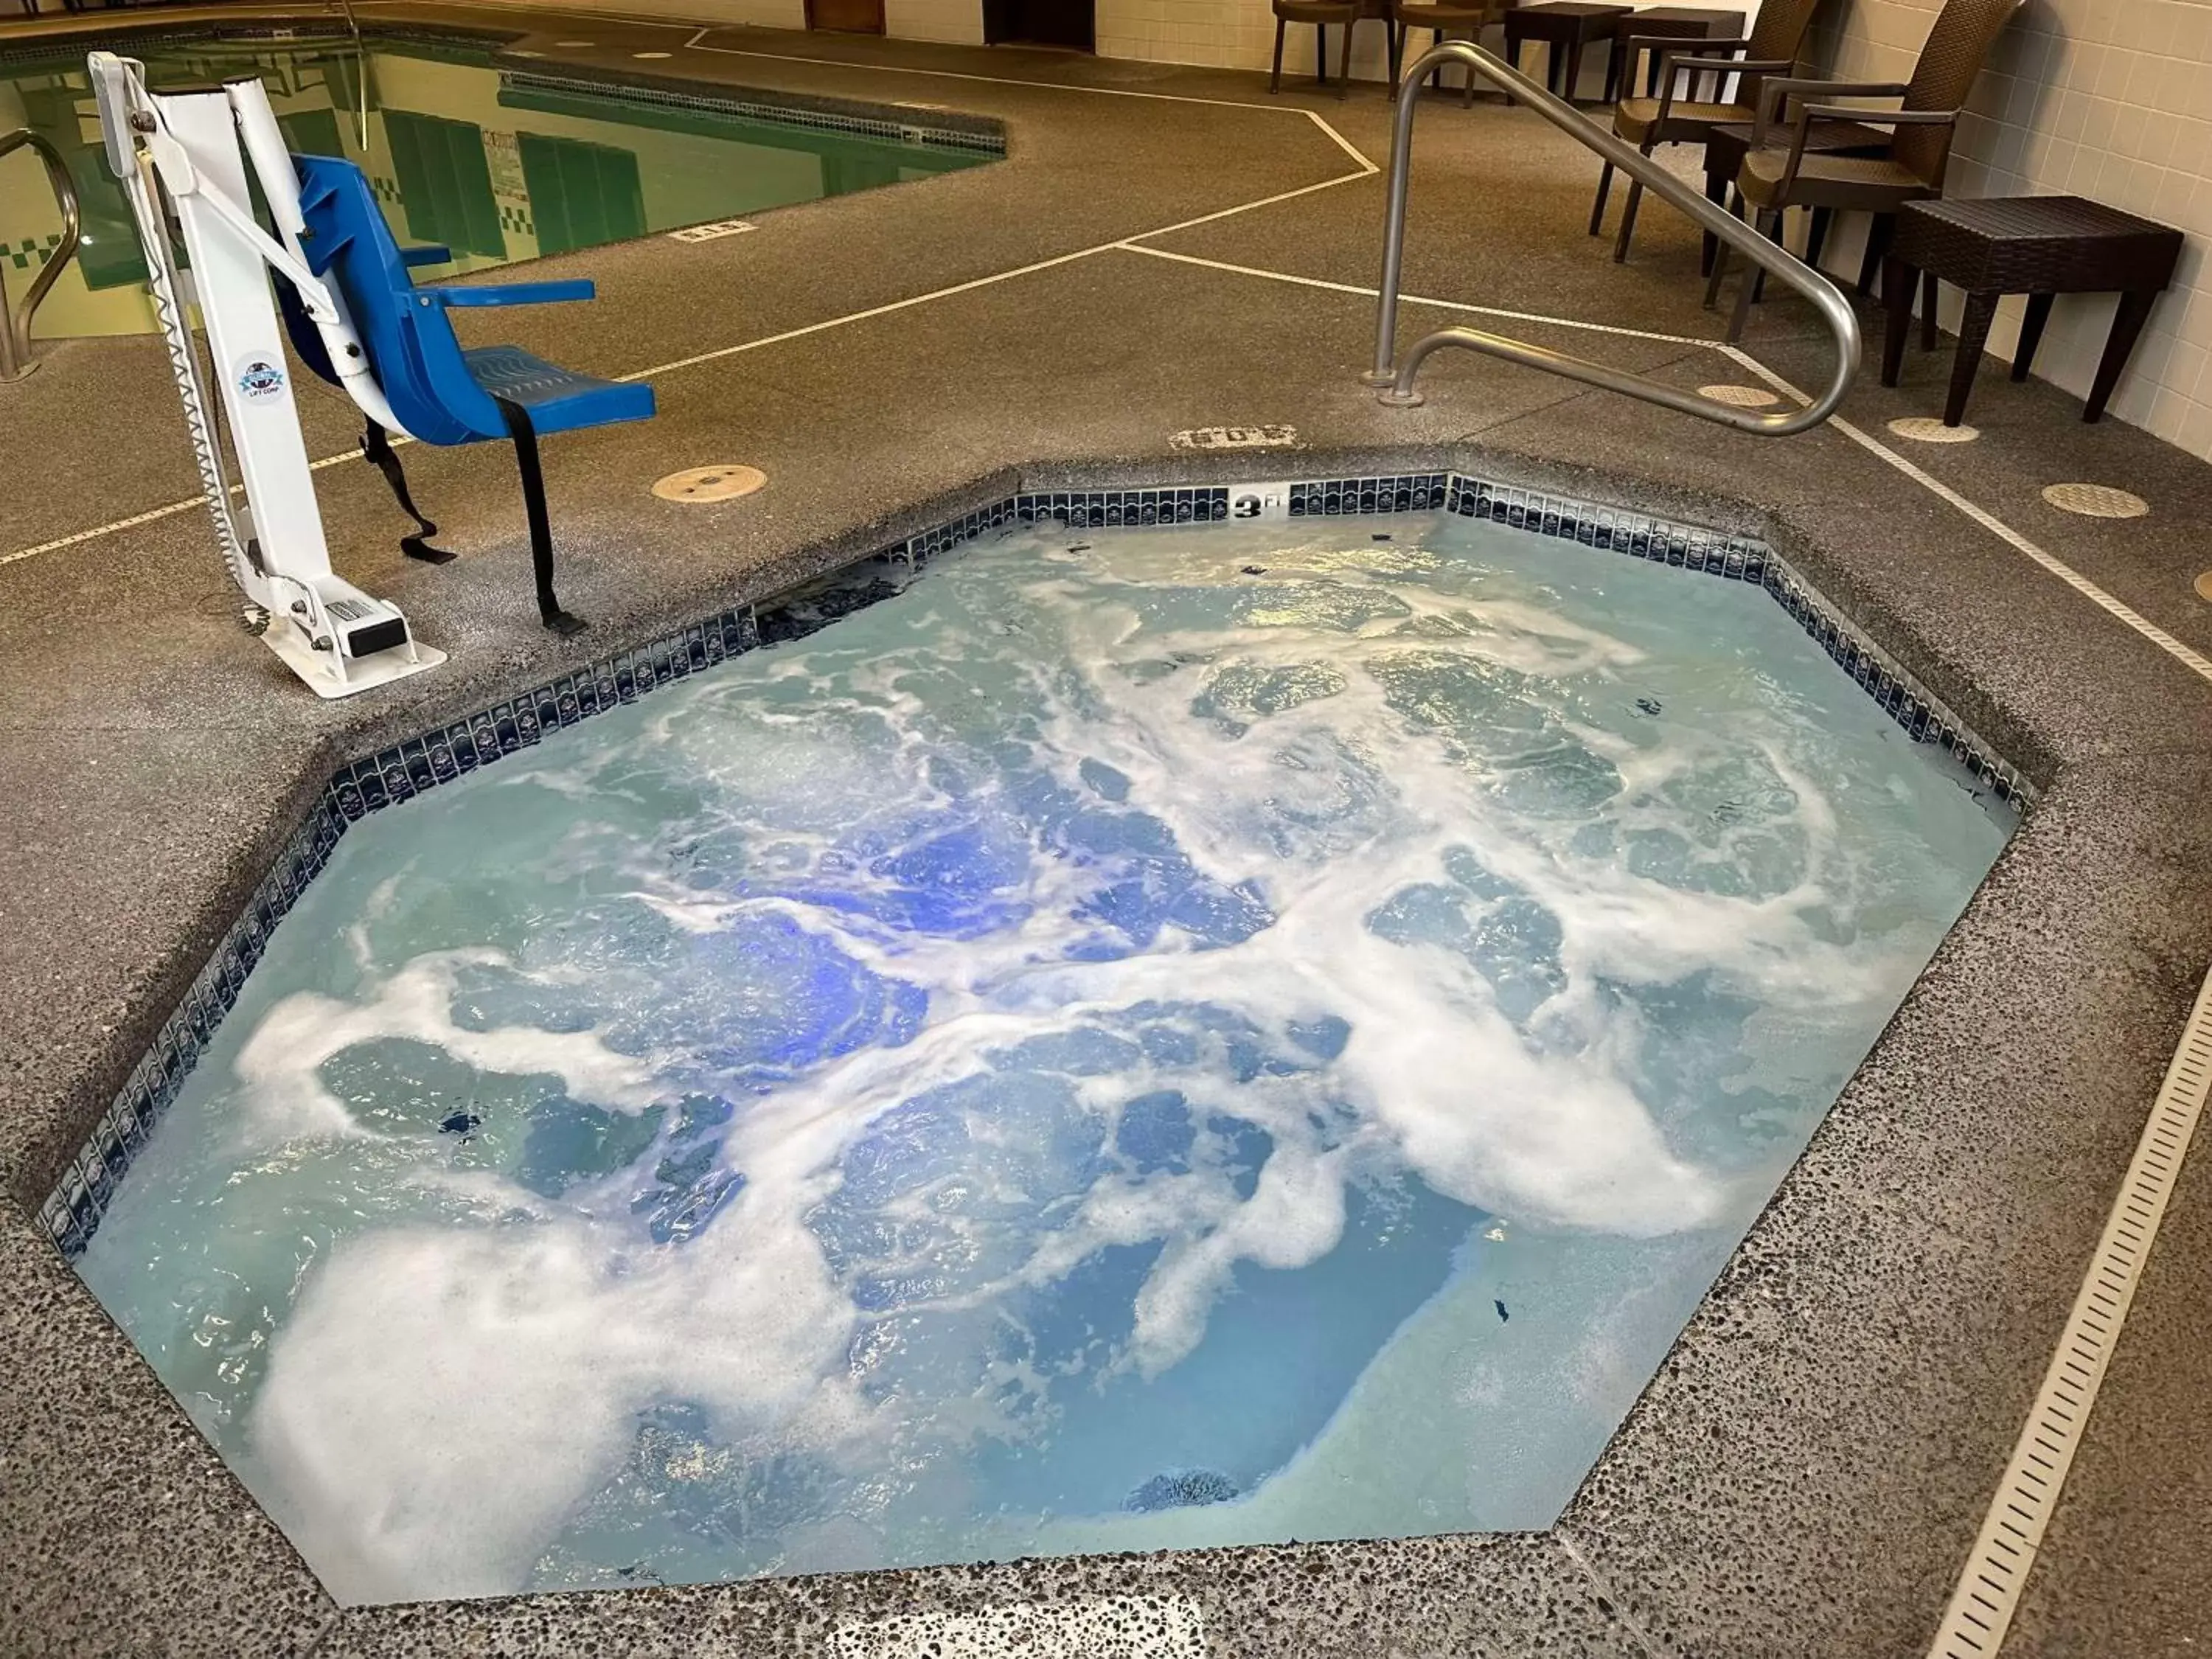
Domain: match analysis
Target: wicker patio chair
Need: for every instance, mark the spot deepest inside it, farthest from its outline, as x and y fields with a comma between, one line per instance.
x=1443, y=18
x=1322, y=14
x=1884, y=169
x=1770, y=48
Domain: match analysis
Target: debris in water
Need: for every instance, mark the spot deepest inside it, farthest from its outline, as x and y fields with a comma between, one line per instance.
x=460, y=1123
x=1255, y=569
x=1498, y=1303
x=1647, y=705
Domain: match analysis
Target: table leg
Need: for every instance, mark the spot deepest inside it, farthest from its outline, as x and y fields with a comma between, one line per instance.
x=1897, y=297
x=1320, y=53
x=2030, y=333
x=2127, y=325
x=1973, y=335
x=1574, y=69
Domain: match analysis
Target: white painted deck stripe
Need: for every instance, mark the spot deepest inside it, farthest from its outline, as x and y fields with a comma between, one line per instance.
x=1131, y=246
x=2117, y=608
x=1989, y=1587
x=974, y=284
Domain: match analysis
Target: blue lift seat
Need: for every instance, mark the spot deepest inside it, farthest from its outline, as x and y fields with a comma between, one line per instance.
x=440, y=391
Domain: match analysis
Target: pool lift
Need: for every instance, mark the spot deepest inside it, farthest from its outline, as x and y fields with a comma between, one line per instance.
x=186, y=153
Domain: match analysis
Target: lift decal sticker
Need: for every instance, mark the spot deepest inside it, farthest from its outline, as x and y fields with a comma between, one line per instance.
x=259, y=379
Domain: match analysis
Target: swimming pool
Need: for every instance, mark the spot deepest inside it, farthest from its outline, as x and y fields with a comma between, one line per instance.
x=1181, y=1036
x=497, y=164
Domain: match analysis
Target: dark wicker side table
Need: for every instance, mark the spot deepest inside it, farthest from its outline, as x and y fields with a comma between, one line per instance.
x=1566, y=25
x=2038, y=246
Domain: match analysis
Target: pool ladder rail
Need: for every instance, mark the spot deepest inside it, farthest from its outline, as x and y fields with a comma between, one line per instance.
x=15, y=359
x=1396, y=379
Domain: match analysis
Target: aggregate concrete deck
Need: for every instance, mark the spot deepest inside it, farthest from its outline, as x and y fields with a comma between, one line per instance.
x=1806, y=1474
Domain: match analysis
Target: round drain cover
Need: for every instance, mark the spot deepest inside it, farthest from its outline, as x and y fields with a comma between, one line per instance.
x=2204, y=588
x=710, y=483
x=1743, y=397
x=2095, y=501
x=1924, y=429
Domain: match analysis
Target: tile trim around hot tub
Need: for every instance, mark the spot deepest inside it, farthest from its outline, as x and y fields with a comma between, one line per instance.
x=72, y=1212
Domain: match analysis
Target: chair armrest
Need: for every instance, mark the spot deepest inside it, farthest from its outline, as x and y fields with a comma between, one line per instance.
x=435, y=254
x=1672, y=64
x=1771, y=94
x=509, y=294
x=1879, y=117
x=1807, y=113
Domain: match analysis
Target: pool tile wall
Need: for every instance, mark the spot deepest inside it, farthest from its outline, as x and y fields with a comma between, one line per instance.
x=72, y=1212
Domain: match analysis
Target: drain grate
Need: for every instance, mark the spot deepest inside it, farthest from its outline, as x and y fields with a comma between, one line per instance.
x=1989, y=1591
x=1922, y=429
x=2095, y=501
x=1742, y=396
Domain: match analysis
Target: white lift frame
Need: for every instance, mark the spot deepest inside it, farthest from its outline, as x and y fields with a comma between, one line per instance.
x=186, y=154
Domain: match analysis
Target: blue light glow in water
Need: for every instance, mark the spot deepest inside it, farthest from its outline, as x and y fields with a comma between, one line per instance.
x=1192, y=1040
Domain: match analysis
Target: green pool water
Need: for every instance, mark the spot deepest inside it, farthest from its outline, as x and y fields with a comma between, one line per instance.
x=498, y=165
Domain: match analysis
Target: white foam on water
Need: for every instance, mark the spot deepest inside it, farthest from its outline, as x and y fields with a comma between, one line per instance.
x=1412, y=885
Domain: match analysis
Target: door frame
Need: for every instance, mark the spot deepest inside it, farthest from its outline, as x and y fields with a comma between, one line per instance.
x=998, y=27
x=877, y=29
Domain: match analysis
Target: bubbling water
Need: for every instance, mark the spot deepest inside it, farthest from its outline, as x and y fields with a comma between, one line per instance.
x=1187, y=1040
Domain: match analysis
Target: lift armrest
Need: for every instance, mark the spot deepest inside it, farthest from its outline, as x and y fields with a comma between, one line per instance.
x=510, y=293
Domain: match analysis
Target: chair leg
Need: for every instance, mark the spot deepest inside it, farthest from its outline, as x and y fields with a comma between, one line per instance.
x=1397, y=53
x=1878, y=235
x=1628, y=220
x=1604, y=189
x=1817, y=237
x=1275, y=80
x=1713, y=277
x=541, y=527
x=1343, y=66
x=1716, y=184
x=377, y=447
x=1931, y=291
x=1768, y=223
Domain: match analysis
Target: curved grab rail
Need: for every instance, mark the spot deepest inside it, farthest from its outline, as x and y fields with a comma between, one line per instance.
x=1397, y=382
x=15, y=330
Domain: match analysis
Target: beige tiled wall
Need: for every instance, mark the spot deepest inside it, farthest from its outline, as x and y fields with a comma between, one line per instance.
x=2107, y=99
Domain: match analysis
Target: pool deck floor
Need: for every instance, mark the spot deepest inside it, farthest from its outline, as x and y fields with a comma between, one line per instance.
x=1170, y=248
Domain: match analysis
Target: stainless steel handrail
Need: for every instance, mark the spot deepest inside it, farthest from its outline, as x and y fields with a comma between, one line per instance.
x=1397, y=382
x=15, y=328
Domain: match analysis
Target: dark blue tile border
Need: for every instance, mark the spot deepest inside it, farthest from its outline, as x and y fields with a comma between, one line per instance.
x=399, y=773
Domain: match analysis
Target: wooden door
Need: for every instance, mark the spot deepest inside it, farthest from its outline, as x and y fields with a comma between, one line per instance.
x=852, y=16
x=1071, y=23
